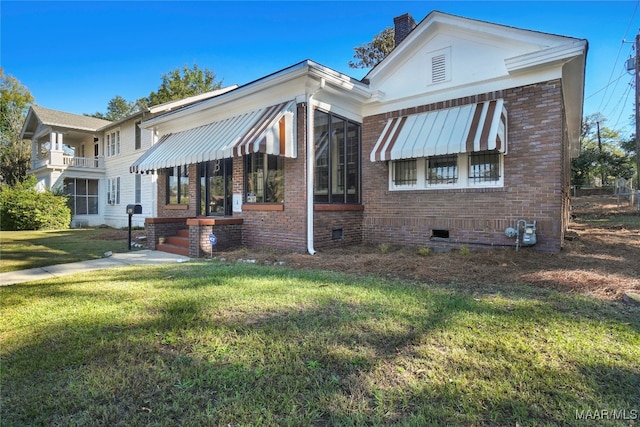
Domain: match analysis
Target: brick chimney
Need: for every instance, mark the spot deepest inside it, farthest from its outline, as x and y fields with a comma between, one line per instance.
x=403, y=25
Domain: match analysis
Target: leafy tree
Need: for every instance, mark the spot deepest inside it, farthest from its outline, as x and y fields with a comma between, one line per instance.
x=370, y=54
x=183, y=83
x=601, y=156
x=15, y=153
x=629, y=146
x=118, y=108
x=176, y=84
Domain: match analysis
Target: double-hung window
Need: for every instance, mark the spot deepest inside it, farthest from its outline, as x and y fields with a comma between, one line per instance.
x=264, y=178
x=337, y=163
x=178, y=185
x=404, y=172
x=442, y=170
x=113, y=143
x=113, y=191
x=138, y=136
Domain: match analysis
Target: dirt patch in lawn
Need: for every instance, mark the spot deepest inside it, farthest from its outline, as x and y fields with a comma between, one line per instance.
x=601, y=257
x=120, y=234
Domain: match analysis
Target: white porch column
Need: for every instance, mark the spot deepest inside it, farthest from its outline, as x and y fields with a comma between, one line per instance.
x=35, y=153
x=55, y=140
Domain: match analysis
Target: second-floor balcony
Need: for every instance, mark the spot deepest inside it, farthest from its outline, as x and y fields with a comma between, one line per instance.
x=60, y=160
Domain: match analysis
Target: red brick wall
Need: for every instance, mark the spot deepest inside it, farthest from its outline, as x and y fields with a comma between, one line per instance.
x=350, y=222
x=178, y=211
x=535, y=181
x=285, y=229
x=228, y=236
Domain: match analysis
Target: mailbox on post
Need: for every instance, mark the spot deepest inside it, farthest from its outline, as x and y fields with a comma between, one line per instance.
x=134, y=209
x=131, y=210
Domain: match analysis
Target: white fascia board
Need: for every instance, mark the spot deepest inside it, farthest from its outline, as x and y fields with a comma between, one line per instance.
x=545, y=57
x=239, y=93
x=168, y=106
x=341, y=81
x=346, y=85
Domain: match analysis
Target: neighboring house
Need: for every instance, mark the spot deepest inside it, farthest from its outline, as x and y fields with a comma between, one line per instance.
x=88, y=159
x=462, y=135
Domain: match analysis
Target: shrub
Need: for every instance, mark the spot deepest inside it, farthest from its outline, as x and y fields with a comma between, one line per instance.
x=424, y=251
x=384, y=248
x=464, y=250
x=24, y=208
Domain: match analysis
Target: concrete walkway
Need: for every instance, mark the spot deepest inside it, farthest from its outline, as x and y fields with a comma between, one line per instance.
x=116, y=260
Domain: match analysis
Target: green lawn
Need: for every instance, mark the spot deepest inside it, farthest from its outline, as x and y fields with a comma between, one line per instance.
x=210, y=343
x=31, y=249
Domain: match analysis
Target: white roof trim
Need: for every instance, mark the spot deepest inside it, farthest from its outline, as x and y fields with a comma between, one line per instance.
x=545, y=57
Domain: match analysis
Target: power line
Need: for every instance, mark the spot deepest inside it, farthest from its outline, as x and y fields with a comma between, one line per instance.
x=608, y=84
x=618, y=54
x=622, y=103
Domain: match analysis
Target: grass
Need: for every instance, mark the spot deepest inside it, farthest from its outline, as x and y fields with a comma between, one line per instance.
x=211, y=343
x=31, y=249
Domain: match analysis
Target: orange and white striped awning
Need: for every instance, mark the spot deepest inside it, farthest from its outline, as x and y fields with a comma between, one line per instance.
x=269, y=130
x=464, y=129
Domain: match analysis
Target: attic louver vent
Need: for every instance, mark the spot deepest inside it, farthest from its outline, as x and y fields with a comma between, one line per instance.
x=438, y=69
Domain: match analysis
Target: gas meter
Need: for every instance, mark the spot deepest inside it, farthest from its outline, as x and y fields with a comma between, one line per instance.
x=528, y=231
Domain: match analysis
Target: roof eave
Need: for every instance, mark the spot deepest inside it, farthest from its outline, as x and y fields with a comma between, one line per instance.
x=301, y=69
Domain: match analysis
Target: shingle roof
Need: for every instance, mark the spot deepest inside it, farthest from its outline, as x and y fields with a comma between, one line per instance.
x=68, y=120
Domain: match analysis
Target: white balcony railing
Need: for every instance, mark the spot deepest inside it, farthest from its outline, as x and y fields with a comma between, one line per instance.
x=57, y=160
x=83, y=162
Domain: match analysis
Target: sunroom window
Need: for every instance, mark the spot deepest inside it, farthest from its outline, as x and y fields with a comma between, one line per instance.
x=178, y=185
x=264, y=178
x=337, y=168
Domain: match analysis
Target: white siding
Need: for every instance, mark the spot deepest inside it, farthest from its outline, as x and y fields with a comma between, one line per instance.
x=118, y=166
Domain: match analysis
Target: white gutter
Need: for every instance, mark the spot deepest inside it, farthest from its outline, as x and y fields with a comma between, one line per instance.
x=311, y=161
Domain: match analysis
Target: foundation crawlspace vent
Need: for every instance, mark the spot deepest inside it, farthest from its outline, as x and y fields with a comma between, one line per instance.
x=337, y=234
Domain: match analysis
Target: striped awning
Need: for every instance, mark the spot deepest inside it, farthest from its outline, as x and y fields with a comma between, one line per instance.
x=465, y=129
x=269, y=130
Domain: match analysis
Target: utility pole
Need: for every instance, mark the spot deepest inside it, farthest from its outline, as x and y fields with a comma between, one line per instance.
x=600, y=156
x=637, y=79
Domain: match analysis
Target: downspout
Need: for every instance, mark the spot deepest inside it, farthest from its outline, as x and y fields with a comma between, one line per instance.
x=311, y=157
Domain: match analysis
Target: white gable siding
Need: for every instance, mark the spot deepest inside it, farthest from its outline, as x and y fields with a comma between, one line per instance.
x=473, y=63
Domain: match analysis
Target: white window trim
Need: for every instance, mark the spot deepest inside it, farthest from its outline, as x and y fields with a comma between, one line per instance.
x=113, y=143
x=113, y=191
x=462, y=182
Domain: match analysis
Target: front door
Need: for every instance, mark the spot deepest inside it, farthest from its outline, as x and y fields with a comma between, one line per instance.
x=216, y=179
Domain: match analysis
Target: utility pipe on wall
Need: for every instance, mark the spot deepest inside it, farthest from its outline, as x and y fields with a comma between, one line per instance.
x=311, y=161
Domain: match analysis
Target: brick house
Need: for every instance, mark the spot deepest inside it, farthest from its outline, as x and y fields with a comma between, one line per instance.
x=462, y=135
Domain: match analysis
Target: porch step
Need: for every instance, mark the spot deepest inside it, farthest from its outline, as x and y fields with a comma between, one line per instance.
x=178, y=244
x=178, y=241
x=173, y=249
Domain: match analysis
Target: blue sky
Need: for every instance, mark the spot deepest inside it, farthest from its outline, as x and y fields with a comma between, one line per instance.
x=75, y=56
